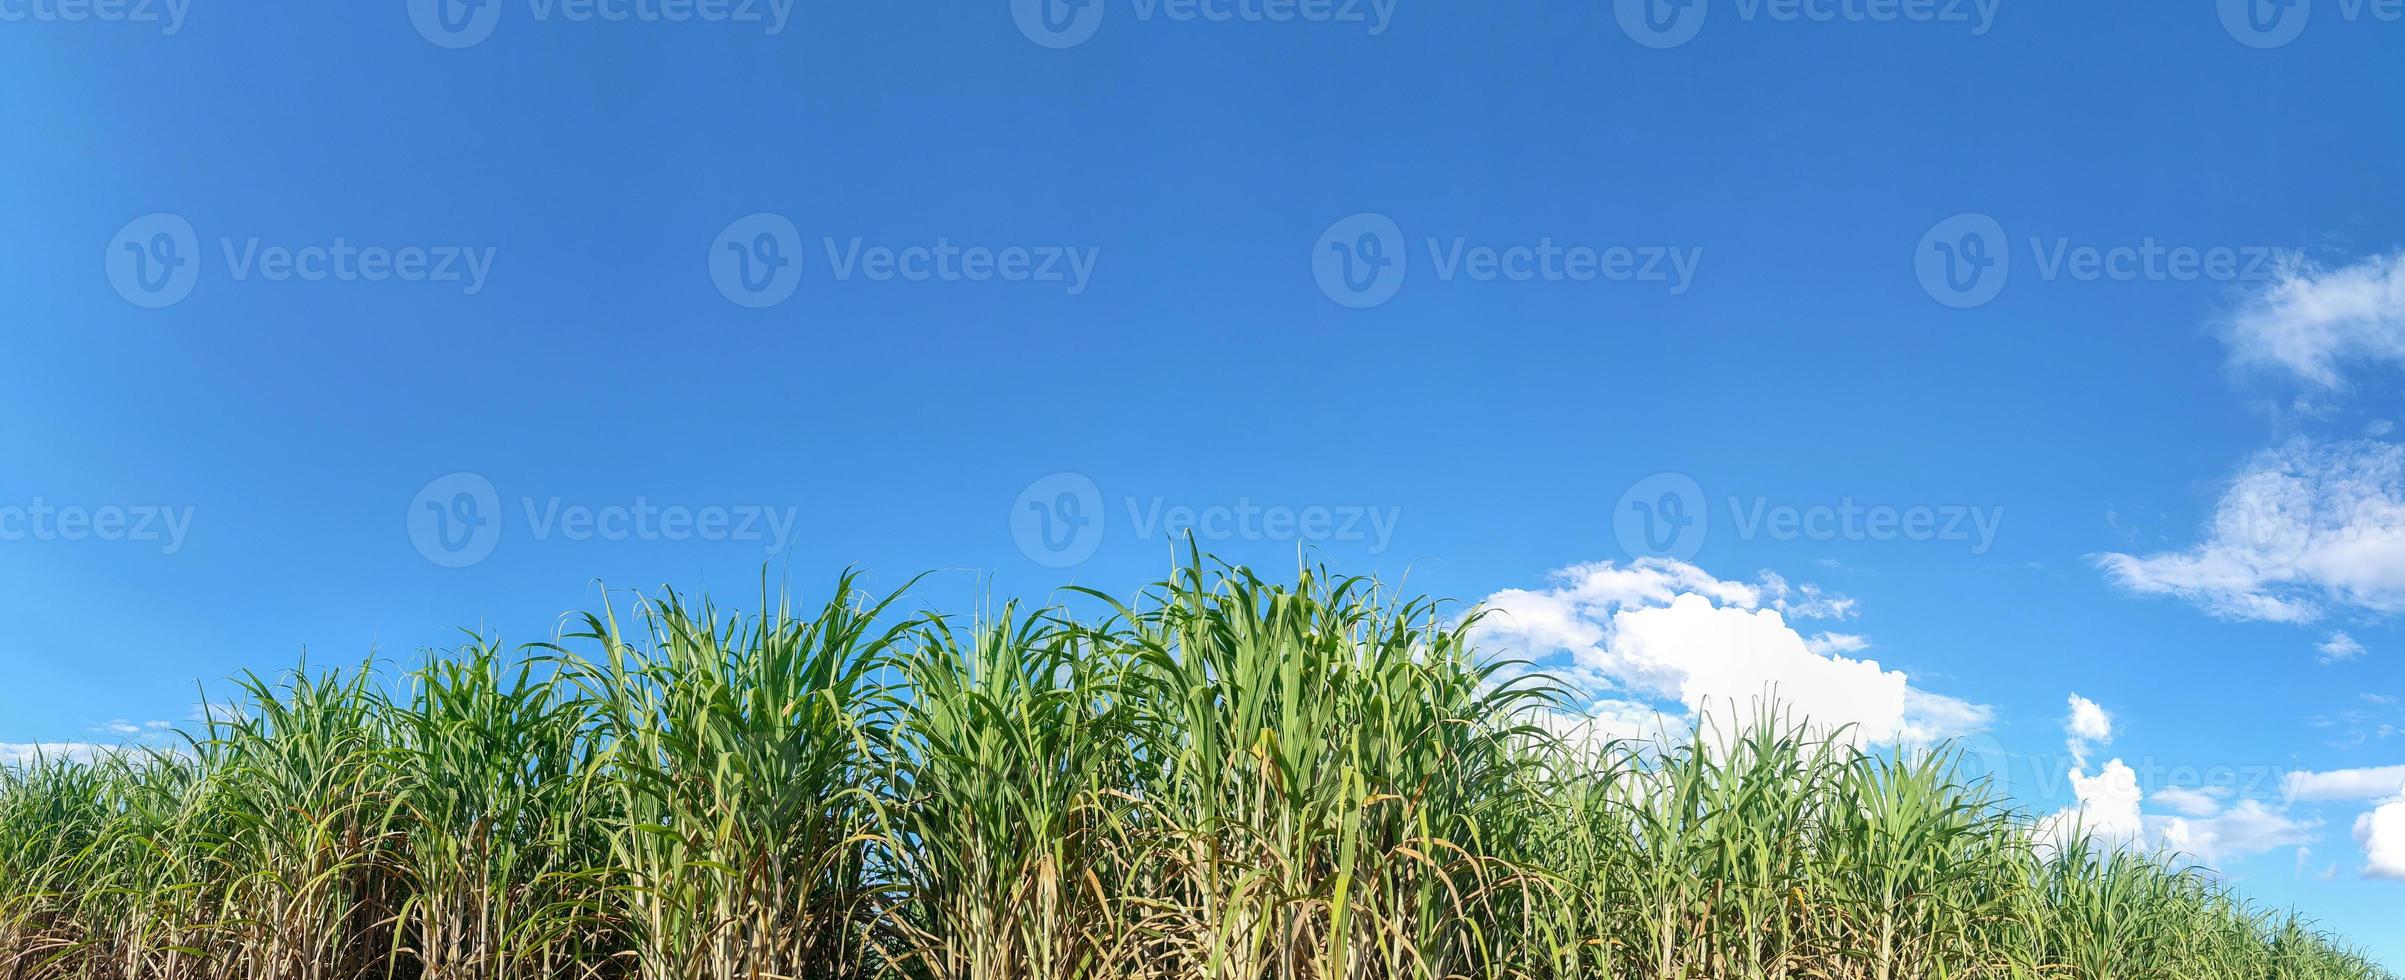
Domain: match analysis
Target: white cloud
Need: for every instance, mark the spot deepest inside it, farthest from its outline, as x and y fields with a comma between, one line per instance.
x=2300, y=528
x=1805, y=601
x=2314, y=321
x=2246, y=828
x=26, y=753
x=2109, y=807
x=2088, y=726
x=2339, y=647
x=2106, y=810
x=1657, y=630
x=1826, y=643
x=2105, y=807
x=2382, y=834
x=2088, y=721
x=2344, y=784
x=2110, y=811
x=2201, y=802
x=2307, y=526
x=1612, y=720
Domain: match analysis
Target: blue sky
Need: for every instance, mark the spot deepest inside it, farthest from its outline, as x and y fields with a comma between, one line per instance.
x=2028, y=350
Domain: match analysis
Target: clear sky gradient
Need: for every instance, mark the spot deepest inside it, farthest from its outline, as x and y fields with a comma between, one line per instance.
x=342, y=327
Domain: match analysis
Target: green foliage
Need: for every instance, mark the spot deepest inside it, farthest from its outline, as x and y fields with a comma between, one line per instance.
x=1221, y=779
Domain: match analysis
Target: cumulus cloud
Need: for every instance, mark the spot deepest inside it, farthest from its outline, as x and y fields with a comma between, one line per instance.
x=1659, y=631
x=2382, y=830
x=2109, y=808
x=2105, y=809
x=2088, y=726
x=2315, y=321
x=2300, y=528
x=2088, y=721
x=2382, y=834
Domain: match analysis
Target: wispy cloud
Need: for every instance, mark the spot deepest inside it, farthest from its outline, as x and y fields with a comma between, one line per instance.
x=2339, y=647
x=2300, y=528
x=2315, y=321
